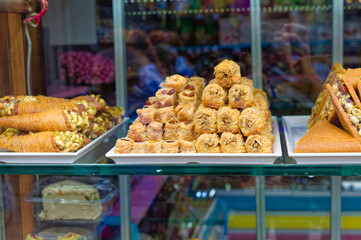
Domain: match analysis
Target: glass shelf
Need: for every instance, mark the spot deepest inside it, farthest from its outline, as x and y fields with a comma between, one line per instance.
x=220, y=170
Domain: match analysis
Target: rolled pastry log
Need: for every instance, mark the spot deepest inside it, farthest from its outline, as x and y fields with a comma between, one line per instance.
x=259, y=144
x=170, y=146
x=147, y=114
x=186, y=131
x=188, y=96
x=199, y=82
x=154, y=146
x=171, y=130
x=44, y=142
x=251, y=121
x=166, y=97
x=140, y=147
x=232, y=143
x=240, y=96
x=137, y=132
x=227, y=73
x=185, y=112
x=187, y=146
x=260, y=100
x=227, y=120
x=177, y=82
x=166, y=114
x=52, y=120
x=205, y=120
x=214, y=96
x=155, y=131
x=124, y=145
x=208, y=143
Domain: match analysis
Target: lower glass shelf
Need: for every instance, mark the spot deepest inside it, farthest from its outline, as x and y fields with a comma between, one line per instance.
x=219, y=170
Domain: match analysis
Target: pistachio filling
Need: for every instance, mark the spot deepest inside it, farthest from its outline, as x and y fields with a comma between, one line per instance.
x=7, y=106
x=29, y=99
x=96, y=128
x=10, y=132
x=353, y=113
x=68, y=141
x=78, y=119
x=255, y=145
x=98, y=99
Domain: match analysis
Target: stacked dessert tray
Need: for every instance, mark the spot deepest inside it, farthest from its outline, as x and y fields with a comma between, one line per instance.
x=59, y=158
x=202, y=158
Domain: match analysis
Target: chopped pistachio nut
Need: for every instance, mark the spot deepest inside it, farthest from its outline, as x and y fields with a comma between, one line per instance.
x=7, y=105
x=98, y=99
x=10, y=132
x=78, y=120
x=68, y=141
x=29, y=99
x=99, y=127
x=353, y=113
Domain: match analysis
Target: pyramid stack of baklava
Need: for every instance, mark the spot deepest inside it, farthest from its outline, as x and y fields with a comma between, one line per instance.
x=187, y=117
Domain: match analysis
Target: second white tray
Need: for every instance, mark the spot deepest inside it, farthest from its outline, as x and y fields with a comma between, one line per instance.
x=202, y=158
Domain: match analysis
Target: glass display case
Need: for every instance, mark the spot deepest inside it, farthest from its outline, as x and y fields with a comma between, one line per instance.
x=123, y=50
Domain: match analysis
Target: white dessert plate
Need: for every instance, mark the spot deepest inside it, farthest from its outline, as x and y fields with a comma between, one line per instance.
x=56, y=158
x=295, y=127
x=202, y=158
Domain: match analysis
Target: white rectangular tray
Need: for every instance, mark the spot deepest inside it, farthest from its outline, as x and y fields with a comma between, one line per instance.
x=56, y=158
x=295, y=127
x=202, y=158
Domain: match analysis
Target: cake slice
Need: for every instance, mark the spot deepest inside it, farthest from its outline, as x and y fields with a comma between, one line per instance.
x=60, y=201
x=324, y=137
